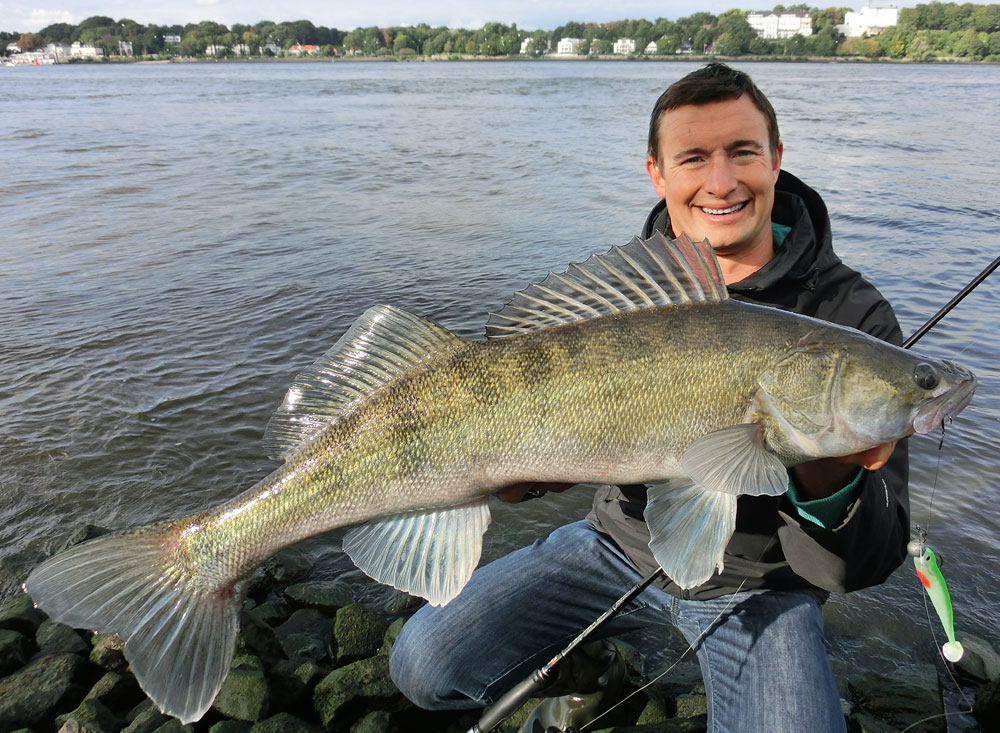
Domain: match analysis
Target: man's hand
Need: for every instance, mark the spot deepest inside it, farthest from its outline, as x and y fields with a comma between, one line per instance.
x=826, y=476
x=517, y=492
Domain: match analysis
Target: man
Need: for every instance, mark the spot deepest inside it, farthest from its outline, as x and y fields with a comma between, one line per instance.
x=714, y=159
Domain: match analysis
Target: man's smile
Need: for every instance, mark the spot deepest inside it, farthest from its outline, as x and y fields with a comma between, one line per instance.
x=719, y=212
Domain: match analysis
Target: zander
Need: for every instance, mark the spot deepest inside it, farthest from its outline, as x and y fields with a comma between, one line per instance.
x=631, y=367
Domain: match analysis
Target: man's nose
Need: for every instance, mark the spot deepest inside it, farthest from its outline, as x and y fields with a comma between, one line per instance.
x=721, y=177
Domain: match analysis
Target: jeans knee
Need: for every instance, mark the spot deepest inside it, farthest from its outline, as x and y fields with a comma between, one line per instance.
x=413, y=670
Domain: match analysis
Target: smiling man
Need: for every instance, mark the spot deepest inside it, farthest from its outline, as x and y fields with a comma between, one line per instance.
x=714, y=158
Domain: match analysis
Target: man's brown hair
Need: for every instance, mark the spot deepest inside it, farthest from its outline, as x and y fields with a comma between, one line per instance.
x=714, y=82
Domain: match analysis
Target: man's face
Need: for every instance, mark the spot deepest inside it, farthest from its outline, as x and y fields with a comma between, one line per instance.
x=716, y=172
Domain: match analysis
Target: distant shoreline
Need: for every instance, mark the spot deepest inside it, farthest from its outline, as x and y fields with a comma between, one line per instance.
x=955, y=61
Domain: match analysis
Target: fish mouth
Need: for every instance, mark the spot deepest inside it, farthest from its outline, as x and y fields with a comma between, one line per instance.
x=934, y=412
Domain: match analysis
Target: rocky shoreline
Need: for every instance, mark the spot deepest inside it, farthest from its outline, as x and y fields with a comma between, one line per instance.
x=310, y=658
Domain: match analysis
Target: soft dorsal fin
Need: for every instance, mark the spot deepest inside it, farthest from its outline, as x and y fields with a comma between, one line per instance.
x=382, y=344
x=645, y=273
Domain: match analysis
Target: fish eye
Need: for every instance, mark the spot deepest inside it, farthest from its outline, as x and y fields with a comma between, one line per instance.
x=926, y=376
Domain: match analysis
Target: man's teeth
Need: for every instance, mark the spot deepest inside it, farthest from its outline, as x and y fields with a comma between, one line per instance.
x=730, y=210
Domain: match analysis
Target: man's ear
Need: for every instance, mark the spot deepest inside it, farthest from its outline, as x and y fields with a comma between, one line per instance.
x=776, y=167
x=653, y=169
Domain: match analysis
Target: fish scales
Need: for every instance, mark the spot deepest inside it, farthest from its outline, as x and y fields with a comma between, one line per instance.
x=595, y=401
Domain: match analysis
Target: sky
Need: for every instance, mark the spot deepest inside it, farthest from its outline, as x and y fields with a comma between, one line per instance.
x=33, y=15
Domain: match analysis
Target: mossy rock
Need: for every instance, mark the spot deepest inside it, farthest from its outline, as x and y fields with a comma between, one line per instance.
x=324, y=595
x=108, y=652
x=18, y=613
x=284, y=723
x=245, y=693
x=351, y=691
x=57, y=638
x=358, y=632
x=92, y=716
x=15, y=649
x=38, y=692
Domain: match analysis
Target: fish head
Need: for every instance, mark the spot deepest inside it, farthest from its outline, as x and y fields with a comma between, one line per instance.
x=841, y=391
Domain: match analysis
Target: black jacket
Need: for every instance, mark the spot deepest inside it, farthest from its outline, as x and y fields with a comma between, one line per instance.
x=772, y=547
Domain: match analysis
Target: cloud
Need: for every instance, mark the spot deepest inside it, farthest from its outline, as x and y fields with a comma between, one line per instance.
x=34, y=19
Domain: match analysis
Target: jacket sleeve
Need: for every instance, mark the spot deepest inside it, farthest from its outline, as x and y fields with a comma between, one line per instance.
x=870, y=541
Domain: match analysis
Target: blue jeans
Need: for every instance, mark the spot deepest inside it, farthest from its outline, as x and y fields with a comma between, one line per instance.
x=762, y=654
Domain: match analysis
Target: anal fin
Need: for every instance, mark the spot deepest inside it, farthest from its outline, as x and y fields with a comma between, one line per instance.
x=689, y=528
x=430, y=554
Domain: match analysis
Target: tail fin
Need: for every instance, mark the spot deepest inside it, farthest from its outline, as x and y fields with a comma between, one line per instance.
x=179, y=627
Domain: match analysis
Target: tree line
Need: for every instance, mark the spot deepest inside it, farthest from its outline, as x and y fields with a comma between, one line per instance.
x=926, y=32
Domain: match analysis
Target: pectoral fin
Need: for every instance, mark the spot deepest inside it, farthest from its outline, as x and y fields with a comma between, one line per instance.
x=430, y=554
x=735, y=460
x=689, y=528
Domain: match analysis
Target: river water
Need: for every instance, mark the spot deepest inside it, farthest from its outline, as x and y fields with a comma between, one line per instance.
x=178, y=241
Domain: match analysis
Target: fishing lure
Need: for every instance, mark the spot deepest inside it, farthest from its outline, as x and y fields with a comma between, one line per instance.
x=933, y=581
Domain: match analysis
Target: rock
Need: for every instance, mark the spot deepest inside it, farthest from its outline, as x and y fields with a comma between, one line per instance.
x=391, y=634
x=292, y=682
x=84, y=533
x=323, y=595
x=980, y=660
x=351, y=691
x=146, y=721
x=690, y=706
x=910, y=696
x=13, y=569
x=117, y=691
x=90, y=717
x=402, y=603
x=57, y=638
x=287, y=566
x=306, y=635
x=18, y=613
x=283, y=723
x=272, y=613
x=377, y=721
x=15, y=648
x=46, y=686
x=986, y=708
x=230, y=726
x=108, y=652
x=358, y=633
x=257, y=638
x=245, y=693
x=864, y=723
x=173, y=725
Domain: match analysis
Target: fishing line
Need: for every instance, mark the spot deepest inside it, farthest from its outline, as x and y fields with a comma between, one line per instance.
x=922, y=533
x=690, y=647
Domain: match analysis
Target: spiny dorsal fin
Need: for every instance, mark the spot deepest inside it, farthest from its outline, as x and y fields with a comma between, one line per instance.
x=645, y=273
x=382, y=344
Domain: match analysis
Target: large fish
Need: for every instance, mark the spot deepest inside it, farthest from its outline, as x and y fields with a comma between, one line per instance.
x=632, y=367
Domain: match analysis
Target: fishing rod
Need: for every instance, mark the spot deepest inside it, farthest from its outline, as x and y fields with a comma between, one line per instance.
x=924, y=560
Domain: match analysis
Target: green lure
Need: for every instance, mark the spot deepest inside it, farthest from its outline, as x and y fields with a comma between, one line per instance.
x=933, y=581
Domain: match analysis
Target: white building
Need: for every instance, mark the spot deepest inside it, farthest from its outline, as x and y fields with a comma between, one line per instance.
x=526, y=41
x=569, y=45
x=58, y=51
x=125, y=48
x=215, y=50
x=869, y=21
x=241, y=49
x=624, y=46
x=785, y=25
x=85, y=51
x=171, y=38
